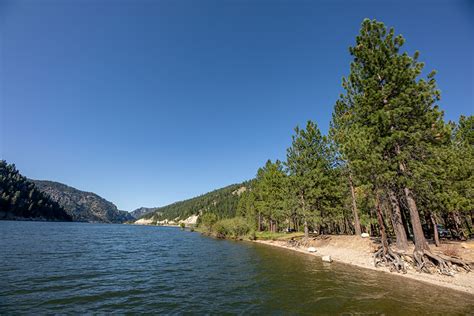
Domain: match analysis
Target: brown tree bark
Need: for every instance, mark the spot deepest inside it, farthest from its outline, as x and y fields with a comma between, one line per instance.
x=346, y=226
x=435, y=230
x=469, y=229
x=354, y=208
x=458, y=224
x=420, y=241
x=383, y=234
x=397, y=222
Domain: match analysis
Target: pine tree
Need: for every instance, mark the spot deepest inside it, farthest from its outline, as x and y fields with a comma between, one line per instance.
x=269, y=191
x=308, y=165
x=386, y=97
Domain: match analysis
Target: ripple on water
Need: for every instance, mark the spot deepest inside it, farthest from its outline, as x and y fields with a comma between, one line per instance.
x=79, y=268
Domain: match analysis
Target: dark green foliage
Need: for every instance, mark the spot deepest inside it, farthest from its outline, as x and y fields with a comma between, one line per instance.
x=222, y=202
x=234, y=228
x=20, y=199
x=391, y=135
x=313, y=176
x=207, y=221
x=389, y=164
x=387, y=139
x=269, y=192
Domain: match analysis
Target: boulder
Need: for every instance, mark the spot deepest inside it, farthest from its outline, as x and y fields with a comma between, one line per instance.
x=364, y=235
x=327, y=259
x=312, y=249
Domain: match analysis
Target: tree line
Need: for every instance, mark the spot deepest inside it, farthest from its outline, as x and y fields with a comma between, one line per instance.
x=390, y=164
x=19, y=198
x=221, y=203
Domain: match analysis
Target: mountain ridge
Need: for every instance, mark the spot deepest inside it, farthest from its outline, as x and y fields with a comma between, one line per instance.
x=20, y=199
x=142, y=211
x=222, y=202
x=83, y=206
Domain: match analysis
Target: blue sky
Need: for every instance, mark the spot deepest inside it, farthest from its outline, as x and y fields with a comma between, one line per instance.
x=150, y=102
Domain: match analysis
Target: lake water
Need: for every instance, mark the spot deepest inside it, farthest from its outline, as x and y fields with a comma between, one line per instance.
x=103, y=268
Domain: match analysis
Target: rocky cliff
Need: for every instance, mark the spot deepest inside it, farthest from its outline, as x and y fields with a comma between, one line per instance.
x=83, y=206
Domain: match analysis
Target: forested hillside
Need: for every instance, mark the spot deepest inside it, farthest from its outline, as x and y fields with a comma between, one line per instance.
x=140, y=212
x=20, y=199
x=390, y=164
x=83, y=206
x=222, y=202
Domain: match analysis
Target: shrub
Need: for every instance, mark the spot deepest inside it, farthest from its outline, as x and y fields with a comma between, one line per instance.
x=235, y=228
x=207, y=221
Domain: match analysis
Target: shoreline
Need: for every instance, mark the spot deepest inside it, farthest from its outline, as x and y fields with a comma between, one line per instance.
x=462, y=282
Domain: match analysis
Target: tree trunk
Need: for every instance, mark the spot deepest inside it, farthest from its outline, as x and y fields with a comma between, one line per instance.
x=383, y=234
x=303, y=206
x=306, y=231
x=469, y=229
x=406, y=221
x=346, y=226
x=354, y=208
x=397, y=222
x=458, y=225
x=435, y=230
x=259, y=222
x=429, y=224
x=420, y=241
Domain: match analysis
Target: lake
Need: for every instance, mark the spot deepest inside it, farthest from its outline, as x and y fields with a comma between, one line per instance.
x=77, y=268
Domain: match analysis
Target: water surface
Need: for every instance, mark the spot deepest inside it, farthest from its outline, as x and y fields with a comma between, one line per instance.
x=78, y=268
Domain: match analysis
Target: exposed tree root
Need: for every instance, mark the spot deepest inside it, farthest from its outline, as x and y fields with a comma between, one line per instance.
x=425, y=261
x=387, y=257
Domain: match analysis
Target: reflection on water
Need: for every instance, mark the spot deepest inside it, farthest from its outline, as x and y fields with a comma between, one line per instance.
x=74, y=267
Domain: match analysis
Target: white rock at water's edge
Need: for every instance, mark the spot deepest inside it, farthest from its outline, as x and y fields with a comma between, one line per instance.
x=364, y=235
x=311, y=249
x=327, y=259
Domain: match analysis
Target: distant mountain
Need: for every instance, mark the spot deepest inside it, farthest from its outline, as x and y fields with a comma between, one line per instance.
x=139, y=212
x=20, y=199
x=222, y=202
x=83, y=206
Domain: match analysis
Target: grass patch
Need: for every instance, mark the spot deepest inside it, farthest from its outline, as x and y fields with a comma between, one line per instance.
x=277, y=236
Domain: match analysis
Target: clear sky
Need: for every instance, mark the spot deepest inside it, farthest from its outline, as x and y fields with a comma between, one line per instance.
x=150, y=102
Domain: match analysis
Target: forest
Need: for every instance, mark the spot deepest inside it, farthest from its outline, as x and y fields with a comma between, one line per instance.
x=390, y=165
x=21, y=199
x=222, y=203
